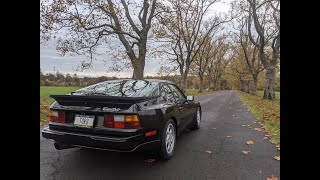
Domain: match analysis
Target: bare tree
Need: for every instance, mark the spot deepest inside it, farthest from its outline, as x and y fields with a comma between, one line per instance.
x=217, y=66
x=265, y=16
x=205, y=56
x=249, y=53
x=202, y=61
x=182, y=26
x=88, y=24
x=166, y=71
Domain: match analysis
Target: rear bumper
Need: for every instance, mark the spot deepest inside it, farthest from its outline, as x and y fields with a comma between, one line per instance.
x=124, y=144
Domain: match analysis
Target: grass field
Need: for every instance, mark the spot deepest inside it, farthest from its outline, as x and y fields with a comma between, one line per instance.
x=266, y=111
x=194, y=92
x=46, y=101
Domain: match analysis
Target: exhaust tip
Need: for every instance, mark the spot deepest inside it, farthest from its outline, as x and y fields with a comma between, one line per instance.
x=60, y=146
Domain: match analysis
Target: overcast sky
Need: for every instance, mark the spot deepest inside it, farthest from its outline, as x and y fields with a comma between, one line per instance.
x=50, y=60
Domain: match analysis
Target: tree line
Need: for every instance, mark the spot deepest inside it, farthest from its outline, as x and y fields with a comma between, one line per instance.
x=238, y=49
x=226, y=82
x=59, y=79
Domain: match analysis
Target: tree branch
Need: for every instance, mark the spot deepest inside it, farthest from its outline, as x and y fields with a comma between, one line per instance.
x=134, y=27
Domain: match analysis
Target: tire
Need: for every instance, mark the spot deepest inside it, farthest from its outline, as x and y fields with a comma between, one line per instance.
x=197, y=121
x=168, y=137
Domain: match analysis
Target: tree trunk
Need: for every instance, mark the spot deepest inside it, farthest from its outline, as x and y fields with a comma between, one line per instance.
x=201, y=84
x=138, y=68
x=255, y=85
x=138, y=64
x=137, y=73
x=269, y=89
x=184, y=76
x=184, y=82
x=209, y=84
x=246, y=87
x=215, y=85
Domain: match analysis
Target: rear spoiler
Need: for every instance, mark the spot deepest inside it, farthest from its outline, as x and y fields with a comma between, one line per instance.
x=98, y=100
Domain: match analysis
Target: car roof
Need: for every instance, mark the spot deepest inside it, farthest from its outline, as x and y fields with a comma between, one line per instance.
x=151, y=80
x=160, y=80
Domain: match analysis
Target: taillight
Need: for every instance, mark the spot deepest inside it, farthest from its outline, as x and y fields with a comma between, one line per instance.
x=121, y=121
x=108, y=120
x=132, y=121
x=57, y=116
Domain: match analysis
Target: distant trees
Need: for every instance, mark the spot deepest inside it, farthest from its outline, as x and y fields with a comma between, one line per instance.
x=185, y=27
x=59, y=79
x=212, y=60
x=203, y=58
x=218, y=67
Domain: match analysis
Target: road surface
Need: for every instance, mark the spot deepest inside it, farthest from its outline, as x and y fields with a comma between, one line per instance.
x=208, y=153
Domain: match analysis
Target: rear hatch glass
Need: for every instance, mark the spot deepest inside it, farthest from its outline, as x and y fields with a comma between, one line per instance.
x=122, y=88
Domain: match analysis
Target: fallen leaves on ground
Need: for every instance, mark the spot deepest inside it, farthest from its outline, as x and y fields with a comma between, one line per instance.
x=245, y=152
x=209, y=151
x=257, y=129
x=278, y=147
x=267, y=113
x=249, y=142
x=243, y=125
x=233, y=115
x=228, y=136
x=272, y=177
x=265, y=138
x=277, y=158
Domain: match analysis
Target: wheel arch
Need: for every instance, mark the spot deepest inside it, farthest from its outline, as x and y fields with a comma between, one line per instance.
x=200, y=109
x=175, y=123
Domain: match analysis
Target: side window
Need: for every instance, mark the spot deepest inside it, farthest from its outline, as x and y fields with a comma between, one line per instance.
x=166, y=94
x=176, y=92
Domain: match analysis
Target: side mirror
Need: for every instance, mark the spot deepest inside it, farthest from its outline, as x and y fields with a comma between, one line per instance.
x=190, y=98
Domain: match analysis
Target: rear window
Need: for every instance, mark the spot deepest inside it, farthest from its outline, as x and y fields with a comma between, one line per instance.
x=123, y=88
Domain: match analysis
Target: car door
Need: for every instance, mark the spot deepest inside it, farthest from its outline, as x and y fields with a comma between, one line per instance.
x=169, y=99
x=185, y=107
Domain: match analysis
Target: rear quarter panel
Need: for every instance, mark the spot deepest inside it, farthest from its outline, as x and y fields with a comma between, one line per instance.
x=155, y=116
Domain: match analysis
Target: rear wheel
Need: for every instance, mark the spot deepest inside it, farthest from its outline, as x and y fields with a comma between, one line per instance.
x=168, y=141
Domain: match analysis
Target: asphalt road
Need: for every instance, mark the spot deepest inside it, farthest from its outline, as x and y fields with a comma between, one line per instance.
x=223, y=115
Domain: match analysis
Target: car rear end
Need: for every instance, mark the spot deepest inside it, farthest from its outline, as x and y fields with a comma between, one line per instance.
x=103, y=122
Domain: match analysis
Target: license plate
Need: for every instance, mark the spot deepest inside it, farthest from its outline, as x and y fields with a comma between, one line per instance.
x=83, y=120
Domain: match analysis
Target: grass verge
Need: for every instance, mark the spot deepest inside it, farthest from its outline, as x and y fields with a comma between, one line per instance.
x=260, y=93
x=266, y=111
